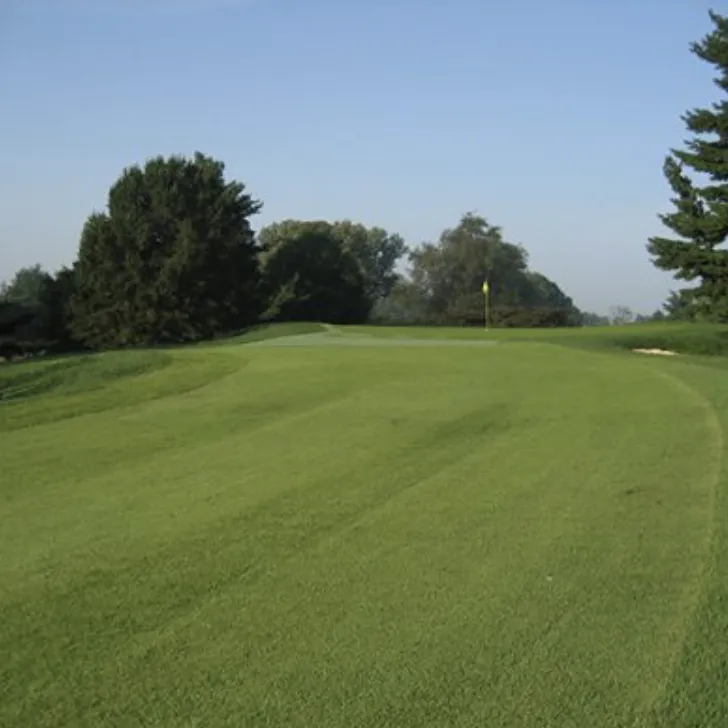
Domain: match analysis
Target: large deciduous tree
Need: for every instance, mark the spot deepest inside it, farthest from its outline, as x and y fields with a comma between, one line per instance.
x=308, y=275
x=700, y=217
x=448, y=275
x=173, y=259
x=377, y=253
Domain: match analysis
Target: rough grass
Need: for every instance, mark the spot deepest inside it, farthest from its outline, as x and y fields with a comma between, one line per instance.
x=520, y=535
x=72, y=375
x=35, y=393
x=271, y=331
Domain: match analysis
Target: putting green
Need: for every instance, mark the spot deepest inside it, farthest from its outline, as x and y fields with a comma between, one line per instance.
x=513, y=535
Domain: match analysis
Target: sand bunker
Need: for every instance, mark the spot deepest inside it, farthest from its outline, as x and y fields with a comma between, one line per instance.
x=656, y=352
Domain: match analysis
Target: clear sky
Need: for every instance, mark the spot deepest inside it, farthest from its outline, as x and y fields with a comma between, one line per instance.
x=551, y=119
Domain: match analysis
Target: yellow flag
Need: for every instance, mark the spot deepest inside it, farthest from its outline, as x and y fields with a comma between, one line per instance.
x=485, y=287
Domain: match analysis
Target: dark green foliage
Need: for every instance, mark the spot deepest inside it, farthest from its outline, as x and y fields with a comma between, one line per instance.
x=308, y=275
x=514, y=317
x=700, y=219
x=16, y=320
x=403, y=305
x=27, y=286
x=174, y=259
x=377, y=253
x=35, y=314
x=593, y=319
x=14, y=316
x=447, y=278
x=44, y=298
x=655, y=317
x=56, y=300
x=677, y=307
x=316, y=270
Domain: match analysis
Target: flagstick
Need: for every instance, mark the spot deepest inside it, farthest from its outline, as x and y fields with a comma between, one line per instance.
x=486, y=293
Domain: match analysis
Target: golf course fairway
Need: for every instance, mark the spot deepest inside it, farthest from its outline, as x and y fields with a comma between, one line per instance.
x=518, y=534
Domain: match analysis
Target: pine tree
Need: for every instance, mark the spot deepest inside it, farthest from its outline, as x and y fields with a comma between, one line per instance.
x=700, y=219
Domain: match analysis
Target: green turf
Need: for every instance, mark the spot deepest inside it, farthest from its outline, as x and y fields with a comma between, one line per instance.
x=518, y=535
x=689, y=338
x=270, y=331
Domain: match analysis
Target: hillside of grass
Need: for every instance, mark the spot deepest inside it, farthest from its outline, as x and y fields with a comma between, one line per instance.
x=74, y=374
x=35, y=393
x=45, y=390
x=263, y=332
x=521, y=535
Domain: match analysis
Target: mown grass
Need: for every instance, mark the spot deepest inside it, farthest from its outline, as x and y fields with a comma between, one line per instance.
x=520, y=535
x=687, y=338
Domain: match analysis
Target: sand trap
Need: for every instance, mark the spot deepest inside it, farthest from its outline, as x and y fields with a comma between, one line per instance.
x=656, y=352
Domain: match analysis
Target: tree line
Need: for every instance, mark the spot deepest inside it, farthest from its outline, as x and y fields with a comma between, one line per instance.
x=174, y=259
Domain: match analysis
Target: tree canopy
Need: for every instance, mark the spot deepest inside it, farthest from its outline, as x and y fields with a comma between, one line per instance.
x=35, y=312
x=28, y=286
x=377, y=253
x=308, y=274
x=446, y=280
x=700, y=216
x=173, y=259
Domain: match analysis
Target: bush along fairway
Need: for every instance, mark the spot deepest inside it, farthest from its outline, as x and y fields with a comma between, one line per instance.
x=520, y=535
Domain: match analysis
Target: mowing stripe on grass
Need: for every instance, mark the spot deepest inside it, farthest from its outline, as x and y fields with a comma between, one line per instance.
x=368, y=536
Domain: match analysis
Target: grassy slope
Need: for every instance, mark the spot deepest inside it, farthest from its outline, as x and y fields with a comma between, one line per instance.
x=524, y=535
x=271, y=331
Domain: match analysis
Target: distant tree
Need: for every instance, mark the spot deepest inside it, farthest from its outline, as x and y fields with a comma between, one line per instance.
x=377, y=253
x=700, y=219
x=449, y=276
x=594, y=319
x=308, y=275
x=404, y=304
x=620, y=315
x=545, y=293
x=27, y=286
x=173, y=259
x=39, y=302
x=450, y=273
x=16, y=328
x=42, y=325
x=56, y=301
x=654, y=317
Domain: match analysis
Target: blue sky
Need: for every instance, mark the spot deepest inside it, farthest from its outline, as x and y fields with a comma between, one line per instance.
x=551, y=119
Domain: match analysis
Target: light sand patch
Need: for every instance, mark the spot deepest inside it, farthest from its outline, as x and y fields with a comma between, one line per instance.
x=655, y=352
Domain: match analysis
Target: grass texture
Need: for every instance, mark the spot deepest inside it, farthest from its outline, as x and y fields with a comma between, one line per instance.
x=528, y=534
